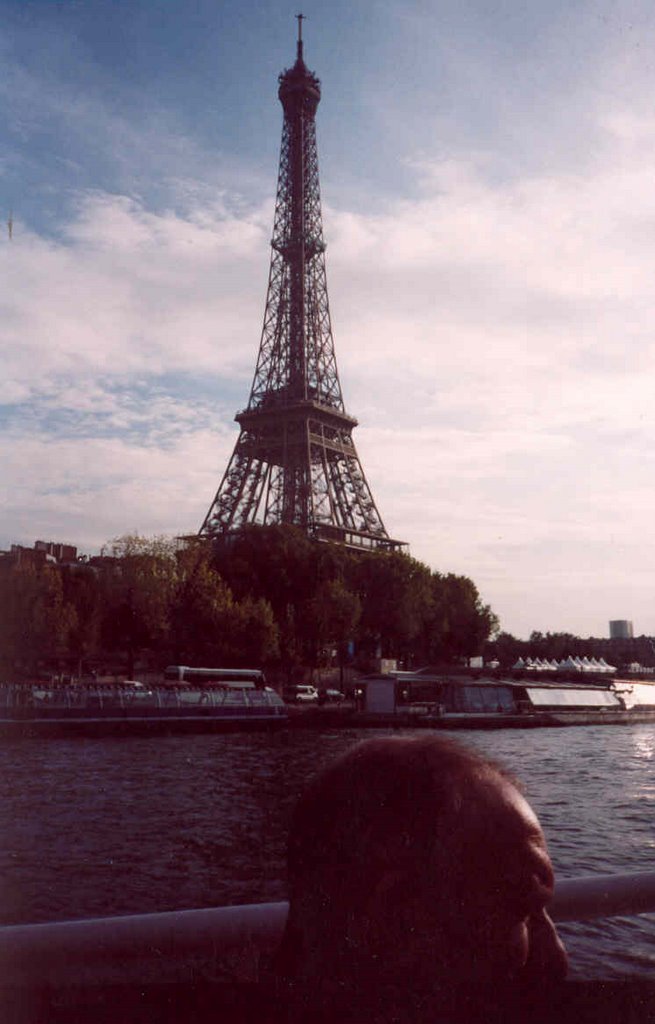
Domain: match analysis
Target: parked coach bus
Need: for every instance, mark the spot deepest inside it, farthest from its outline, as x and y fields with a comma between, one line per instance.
x=245, y=678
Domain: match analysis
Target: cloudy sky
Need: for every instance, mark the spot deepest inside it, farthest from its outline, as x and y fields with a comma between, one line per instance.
x=488, y=188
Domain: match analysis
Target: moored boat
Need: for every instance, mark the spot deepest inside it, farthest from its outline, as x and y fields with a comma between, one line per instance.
x=457, y=702
x=233, y=699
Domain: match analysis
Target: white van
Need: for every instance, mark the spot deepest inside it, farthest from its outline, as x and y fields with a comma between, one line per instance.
x=301, y=694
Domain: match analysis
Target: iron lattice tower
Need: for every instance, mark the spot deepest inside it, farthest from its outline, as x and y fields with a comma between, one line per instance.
x=295, y=460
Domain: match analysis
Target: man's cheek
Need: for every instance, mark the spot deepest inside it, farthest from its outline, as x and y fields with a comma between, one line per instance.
x=519, y=946
x=507, y=951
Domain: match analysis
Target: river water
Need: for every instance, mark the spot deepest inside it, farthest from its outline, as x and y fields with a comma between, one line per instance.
x=93, y=827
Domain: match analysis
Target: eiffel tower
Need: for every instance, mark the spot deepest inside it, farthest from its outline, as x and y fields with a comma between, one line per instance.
x=295, y=461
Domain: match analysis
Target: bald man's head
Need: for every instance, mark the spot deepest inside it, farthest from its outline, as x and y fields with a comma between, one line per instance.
x=416, y=862
x=381, y=805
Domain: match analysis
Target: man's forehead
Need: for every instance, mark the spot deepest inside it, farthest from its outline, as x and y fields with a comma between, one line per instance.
x=516, y=810
x=496, y=821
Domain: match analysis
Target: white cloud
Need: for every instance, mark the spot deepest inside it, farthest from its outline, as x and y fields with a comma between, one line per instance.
x=130, y=291
x=507, y=332
x=89, y=491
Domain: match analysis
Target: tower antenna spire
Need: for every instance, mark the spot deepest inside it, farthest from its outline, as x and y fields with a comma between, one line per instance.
x=301, y=18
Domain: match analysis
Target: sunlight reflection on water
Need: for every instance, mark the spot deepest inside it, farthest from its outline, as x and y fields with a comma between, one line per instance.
x=644, y=743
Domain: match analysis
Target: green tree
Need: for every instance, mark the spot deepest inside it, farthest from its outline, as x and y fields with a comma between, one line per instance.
x=54, y=618
x=202, y=616
x=506, y=648
x=210, y=628
x=138, y=593
x=334, y=613
x=461, y=623
x=256, y=633
x=278, y=564
x=36, y=621
x=394, y=592
x=82, y=592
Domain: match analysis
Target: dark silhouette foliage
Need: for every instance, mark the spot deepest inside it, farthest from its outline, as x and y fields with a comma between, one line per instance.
x=268, y=596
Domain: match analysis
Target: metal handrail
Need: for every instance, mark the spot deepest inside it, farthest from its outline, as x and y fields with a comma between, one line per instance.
x=37, y=950
x=593, y=896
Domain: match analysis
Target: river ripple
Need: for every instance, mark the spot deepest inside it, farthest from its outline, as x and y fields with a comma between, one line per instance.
x=132, y=825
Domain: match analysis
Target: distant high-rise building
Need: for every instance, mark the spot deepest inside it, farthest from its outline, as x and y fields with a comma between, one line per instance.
x=621, y=629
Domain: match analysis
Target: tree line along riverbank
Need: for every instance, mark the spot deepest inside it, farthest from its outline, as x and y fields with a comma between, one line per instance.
x=269, y=596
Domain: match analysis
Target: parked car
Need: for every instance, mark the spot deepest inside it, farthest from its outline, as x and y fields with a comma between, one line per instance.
x=134, y=687
x=300, y=694
x=330, y=696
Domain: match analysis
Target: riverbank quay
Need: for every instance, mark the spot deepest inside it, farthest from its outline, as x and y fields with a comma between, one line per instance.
x=350, y=718
x=315, y=719
x=401, y=700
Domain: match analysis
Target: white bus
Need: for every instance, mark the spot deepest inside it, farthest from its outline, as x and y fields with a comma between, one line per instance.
x=241, y=678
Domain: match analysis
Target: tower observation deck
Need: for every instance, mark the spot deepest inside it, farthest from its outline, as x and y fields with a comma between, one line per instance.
x=295, y=461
